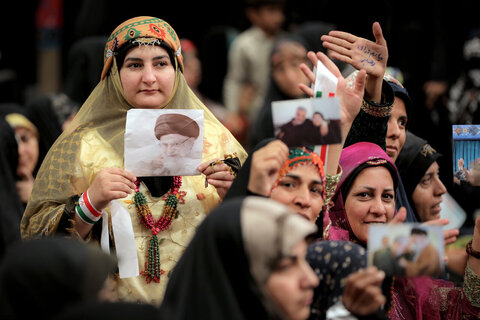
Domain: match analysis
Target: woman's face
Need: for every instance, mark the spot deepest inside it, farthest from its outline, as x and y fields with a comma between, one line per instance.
x=147, y=76
x=371, y=199
x=396, y=129
x=27, y=151
x=301, y=190
x=286, y=70
x=427, y=195
x=291, y=284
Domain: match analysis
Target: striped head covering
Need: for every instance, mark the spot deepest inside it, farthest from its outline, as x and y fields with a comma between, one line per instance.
x=140, y=27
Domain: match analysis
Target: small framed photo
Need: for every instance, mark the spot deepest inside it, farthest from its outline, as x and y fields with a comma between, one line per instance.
x=163, y=142
x=407, y=249
x=466, y=154
x=307, y=122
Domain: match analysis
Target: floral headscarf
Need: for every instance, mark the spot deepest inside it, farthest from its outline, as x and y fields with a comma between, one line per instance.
x=301, y=156
x=140, y=27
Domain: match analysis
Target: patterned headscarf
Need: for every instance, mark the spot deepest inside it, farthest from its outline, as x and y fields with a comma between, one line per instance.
x=140, y=27
x=301, y=156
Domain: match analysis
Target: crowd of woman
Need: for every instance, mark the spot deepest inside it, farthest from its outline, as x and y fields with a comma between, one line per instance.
x=277, y=234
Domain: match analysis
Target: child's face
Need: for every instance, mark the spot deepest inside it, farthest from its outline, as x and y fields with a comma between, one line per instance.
x=269, y=18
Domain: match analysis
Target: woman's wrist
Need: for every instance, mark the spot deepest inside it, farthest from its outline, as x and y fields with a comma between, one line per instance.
x=384, y=107
x=472, y=251
x=86, y=211
x=373, y=88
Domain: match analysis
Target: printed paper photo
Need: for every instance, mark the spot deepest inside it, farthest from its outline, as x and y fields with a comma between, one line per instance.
x=466, y=154
x=163, y=142
x=407, y=249
x=307, y=122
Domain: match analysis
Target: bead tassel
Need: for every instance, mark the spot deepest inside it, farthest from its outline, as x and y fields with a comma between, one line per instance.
x=152, y=265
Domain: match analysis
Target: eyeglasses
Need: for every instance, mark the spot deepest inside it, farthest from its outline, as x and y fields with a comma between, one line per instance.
x=169, y=145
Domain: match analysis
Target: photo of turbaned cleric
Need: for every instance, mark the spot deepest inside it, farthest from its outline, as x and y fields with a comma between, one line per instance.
x=163, y=142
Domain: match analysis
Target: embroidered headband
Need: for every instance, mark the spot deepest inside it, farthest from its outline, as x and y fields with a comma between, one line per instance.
x=301, y=156
x=142, y=29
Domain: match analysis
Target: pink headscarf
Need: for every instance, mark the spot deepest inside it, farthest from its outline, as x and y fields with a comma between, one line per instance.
x=335, y=222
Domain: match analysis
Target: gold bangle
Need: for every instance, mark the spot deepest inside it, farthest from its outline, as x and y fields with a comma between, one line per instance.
x=331, y=183
x=471, y=252
x=376, y=110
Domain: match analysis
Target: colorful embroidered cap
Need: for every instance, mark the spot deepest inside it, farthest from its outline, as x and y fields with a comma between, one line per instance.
x=301, y=156
x=140, y=27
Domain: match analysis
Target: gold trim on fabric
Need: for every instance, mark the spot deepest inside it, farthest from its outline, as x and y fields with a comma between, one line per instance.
x=471, y=286
x=376, y=111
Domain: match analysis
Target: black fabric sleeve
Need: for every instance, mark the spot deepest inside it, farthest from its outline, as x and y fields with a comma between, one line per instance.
x=68, y=213
x=369, y=128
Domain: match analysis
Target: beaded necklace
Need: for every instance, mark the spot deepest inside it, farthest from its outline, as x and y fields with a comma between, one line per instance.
x=152, y=264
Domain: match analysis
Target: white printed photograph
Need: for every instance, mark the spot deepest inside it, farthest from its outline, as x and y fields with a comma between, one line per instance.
x=163, y=142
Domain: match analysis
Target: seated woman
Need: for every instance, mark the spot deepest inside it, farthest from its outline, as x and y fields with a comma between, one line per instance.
x=365, y=195
x=83, y=178
x=251, y=267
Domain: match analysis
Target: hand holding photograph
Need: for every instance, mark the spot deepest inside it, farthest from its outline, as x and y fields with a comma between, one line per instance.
x=408, y=249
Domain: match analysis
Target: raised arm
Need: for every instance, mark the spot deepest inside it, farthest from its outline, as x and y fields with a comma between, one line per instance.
x=350, y=102
x=363, y=54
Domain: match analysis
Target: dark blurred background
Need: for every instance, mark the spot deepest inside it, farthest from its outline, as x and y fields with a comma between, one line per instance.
x=425, y=38
x=45, y=42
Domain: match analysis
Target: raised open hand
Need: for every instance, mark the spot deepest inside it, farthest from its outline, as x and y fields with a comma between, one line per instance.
x=350, y=98
x=359, y=52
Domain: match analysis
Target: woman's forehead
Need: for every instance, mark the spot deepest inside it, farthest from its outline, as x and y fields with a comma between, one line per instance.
x=374, y=175
x=145, y=50
x=23, y=130
x=307, y=172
